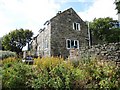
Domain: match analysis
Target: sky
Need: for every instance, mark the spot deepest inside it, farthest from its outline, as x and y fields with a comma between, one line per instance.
x=32, y=14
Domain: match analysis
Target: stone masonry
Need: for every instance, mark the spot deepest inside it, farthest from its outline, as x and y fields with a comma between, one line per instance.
x=62, y=29
x=109, y=51
x=51, y=40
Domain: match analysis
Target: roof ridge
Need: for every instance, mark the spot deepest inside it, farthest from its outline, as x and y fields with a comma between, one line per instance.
x=60, y=12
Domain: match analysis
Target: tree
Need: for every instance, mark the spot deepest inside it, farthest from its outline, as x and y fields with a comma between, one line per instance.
x=105, y=30
x=17, y=39
x=117, y=3
x=0, y=43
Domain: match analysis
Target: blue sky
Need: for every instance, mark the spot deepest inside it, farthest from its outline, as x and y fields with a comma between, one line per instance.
x=31, y=14
x=77, y=6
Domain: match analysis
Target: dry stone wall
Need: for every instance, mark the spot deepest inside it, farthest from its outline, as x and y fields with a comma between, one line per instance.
x=109, y=51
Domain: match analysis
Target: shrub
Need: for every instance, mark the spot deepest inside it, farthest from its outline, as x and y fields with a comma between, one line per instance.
x=51, y=62
x=0, y=78
x=58, y=78
x=9, y=59
x=53, y=73
x=18, y=75
x=100, y=74
x=6, y=54
x=8, y=62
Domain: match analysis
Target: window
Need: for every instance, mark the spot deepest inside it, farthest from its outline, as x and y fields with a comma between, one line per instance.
x=72, y=44
x=46, y=44
x=76, y=44
x=76, y=26
x=68, y=43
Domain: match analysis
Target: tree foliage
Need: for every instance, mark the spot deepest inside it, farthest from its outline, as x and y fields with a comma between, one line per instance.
x=16, y=40
x=117, y=3
x=0, y=43
x=105, y=30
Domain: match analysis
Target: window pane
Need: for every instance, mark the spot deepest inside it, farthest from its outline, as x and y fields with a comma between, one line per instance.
x=76, y=44
x=68, y=43
x=46, y=44
x=75, y=26
x=72, y=43
x=78, y=26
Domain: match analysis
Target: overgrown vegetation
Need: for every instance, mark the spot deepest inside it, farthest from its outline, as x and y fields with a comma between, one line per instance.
x=105, y=30
x=6, y=54
x=55, y=73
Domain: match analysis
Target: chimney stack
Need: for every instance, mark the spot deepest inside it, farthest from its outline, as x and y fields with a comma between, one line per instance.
x=58, y=12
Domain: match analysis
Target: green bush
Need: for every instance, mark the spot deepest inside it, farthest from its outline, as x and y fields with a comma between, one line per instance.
x=0, y=77
x=55, y=73
x=17, y=75
x=6, y=54
x=100, y=74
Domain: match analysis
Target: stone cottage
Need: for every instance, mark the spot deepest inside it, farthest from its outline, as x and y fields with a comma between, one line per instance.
x=64, y=31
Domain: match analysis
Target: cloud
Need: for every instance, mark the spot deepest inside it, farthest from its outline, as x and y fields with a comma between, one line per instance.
x=31, y=14
x=100, y=8
x=28, y=14
x=66, y=1
x=86, y=0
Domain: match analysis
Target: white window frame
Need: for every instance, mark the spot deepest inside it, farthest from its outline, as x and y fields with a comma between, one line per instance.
x=71, y=43
x=77, y=43
x=77, y=25
x=67, y=43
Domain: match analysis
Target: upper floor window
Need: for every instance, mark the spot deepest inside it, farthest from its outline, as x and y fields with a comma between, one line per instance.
x=72, y=44
x=76, y=26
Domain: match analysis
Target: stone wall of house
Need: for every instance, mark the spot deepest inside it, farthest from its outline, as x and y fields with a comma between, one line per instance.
x=109, y=51
x=62, y=29
x=57, y=31
x=43, y=41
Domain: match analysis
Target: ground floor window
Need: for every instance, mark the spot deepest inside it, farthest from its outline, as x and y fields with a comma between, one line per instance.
x=72, y=44
x=46, y=44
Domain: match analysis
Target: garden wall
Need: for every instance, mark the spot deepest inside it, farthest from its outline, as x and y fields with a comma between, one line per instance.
x=109, y=51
